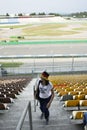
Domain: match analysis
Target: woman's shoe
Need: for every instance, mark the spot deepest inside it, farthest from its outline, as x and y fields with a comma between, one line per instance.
x=47, y=121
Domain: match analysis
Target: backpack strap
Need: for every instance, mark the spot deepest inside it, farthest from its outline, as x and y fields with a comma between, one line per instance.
x=37, y=91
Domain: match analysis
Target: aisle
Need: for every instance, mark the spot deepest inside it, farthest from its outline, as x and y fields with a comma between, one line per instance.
x=59, y=118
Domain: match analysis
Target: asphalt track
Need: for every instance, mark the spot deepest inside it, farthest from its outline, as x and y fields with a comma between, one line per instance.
x=41, y=49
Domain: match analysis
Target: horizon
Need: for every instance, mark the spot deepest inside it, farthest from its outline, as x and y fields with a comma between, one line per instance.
x=27, y=14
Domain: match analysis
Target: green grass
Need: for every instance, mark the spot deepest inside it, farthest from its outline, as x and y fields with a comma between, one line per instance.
x=10, y=64
x=46, y=42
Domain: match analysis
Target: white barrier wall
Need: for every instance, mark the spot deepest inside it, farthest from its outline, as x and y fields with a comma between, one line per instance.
x=9, y=21
x=32, y=20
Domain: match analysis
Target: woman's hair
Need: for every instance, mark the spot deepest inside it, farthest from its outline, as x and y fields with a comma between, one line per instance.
x=46, y=82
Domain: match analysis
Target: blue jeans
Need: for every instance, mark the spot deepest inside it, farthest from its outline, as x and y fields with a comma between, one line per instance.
x=85, y=118
x=43, y=108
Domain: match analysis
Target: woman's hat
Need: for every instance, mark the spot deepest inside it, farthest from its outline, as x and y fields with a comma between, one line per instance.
x=45, y=75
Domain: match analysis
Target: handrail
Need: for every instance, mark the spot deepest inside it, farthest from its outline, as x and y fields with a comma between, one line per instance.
x=35, y=100
x=34, y=90
x=21, y=121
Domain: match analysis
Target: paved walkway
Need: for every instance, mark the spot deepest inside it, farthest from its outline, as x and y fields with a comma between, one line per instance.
x=59, y=118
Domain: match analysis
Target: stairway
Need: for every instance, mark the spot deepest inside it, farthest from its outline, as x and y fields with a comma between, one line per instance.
x=59, y=118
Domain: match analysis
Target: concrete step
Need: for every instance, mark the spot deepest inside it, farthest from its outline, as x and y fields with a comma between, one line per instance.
x=8, y=124
x=53, y=125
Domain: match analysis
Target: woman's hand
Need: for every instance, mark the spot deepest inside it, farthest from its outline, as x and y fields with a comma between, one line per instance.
x=48, y=104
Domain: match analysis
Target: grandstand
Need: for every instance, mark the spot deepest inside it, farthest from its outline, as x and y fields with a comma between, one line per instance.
x=16, y=88
x=22, y=87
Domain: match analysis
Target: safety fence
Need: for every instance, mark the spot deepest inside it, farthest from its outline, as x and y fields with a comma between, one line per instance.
x=51, y=63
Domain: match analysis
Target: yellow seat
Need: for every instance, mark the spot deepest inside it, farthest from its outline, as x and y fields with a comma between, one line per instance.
x=79, y=97
x=71, y=103
x=83, y=103
x=73, y=92
x=77, y=114
x=61, y=93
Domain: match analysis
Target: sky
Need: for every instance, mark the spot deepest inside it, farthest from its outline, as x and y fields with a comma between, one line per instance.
x=39, y=6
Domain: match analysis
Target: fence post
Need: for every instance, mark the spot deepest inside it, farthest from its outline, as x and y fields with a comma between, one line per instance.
x=30, y=116
x=72, y=63
x=53, y=64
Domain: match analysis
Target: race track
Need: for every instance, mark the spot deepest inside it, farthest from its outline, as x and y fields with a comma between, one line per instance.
x=41, y=49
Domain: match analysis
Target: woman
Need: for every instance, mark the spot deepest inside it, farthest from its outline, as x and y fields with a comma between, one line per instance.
x=46, y=95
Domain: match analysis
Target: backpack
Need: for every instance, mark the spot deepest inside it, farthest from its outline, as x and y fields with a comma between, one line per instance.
x=37, y=91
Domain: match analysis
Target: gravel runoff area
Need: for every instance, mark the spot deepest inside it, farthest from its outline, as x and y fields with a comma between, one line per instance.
x=77, y=25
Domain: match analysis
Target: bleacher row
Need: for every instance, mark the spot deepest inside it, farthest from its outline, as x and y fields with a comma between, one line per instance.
x=9, y=90
x=73, y=98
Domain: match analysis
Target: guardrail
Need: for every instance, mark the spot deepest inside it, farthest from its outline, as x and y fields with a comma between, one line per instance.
x=43, y=56
x=21, y=121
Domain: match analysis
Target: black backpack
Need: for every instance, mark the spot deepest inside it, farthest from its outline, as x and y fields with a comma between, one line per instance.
x=37, y=91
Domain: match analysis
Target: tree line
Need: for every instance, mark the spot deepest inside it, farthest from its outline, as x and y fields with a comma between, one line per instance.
x=77, y=14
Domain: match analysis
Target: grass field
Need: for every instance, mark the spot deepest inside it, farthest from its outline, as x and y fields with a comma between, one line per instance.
x=76, y=30
x=11, y=64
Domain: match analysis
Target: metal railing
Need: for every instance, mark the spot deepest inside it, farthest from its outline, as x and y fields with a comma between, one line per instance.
x=21, y=121
x=35, y=100
x=51, y=63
